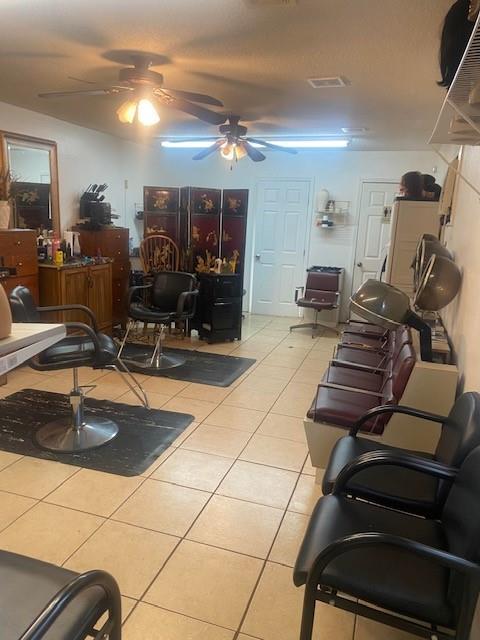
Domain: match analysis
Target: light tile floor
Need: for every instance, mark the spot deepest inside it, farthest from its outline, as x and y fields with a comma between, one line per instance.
x=203, y=543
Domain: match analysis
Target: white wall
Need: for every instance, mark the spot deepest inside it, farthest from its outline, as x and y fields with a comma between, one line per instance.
x=84, y=156
x=462, y=316
x=339, y=171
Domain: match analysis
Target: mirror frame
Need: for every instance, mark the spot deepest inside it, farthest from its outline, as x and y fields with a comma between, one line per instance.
x=37, y=143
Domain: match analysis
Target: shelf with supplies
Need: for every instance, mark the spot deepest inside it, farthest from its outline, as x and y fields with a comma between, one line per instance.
x=459, y=118
x=335, y=214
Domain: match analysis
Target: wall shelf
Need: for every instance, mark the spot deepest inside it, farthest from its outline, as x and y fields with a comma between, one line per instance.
x=456, y=105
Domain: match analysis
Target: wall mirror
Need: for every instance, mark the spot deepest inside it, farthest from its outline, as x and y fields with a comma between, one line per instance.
x=32, y=163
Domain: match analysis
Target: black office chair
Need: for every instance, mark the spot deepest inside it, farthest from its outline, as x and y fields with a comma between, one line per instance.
x=171, y=297
x=89, y=349
x=401, y=488
x=39, y=600
x=420, y=575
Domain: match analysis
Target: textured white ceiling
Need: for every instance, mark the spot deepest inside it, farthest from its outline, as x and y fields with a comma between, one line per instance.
x=255, y=59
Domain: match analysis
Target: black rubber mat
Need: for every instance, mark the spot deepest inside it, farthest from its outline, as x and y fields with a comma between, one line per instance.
x=201, y=367
x=143, y=433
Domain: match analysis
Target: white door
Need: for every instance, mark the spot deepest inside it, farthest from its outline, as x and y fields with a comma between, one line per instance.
x=279, y=245
x=373, y=233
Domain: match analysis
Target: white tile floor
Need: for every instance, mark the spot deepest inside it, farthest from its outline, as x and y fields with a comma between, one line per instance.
x=203, y=543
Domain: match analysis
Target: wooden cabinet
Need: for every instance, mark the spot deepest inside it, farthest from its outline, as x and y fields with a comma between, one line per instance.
x=90, y=286
x=112, y=242
x=18, y=250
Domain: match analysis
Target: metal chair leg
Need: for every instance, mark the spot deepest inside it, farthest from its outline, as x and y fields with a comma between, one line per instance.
x=77, y=432
x=136, y=388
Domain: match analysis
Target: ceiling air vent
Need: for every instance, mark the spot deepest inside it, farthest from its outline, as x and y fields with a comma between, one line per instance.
x=328, y=83
x=271, y=3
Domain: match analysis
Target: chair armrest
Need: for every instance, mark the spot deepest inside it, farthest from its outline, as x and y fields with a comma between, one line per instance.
x=374, y=539
x=132, y=290
x=341, y=387
x=297, y=290
x=353, y=365
x=72, y=307
x=391, y=408
x=182, y=299
x=363, y=347
x=391, y=458
x=40, y=626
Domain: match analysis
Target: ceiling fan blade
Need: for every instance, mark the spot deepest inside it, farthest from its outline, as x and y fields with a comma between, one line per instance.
x=206, y=152
x=194, y=97
x=253, y=154
x=268, y=145
x=193, y=109
x=105, y=91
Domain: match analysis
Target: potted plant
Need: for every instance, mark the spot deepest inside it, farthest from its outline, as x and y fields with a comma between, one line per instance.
x=6, y=198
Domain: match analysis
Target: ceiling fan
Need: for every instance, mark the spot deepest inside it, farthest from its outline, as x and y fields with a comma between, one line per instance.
x=235, y=145
x=143, y=88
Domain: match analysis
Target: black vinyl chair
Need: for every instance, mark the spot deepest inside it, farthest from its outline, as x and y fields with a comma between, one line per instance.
x=421, y=575
x=86, y=348
x=41, y=601
x=171, y=297
x=401, y=488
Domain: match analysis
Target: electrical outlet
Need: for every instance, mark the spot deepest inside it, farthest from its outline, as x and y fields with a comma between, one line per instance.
x=125, y=184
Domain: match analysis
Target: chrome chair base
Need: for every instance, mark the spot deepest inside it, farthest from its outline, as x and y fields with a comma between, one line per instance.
x=62, y=436
x=158, y=361
x=315, y=326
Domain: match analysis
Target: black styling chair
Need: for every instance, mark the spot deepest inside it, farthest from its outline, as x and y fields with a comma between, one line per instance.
x=88, y=349
x=171, y=297
x=420, y=575
x=39, y=600
x=401, y=488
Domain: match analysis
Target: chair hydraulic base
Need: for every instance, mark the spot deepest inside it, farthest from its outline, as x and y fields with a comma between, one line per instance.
x=314, y=326
x=76, y=433
x=159, y=361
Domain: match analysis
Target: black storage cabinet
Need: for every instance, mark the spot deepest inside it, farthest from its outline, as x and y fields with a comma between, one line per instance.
x=219, y=307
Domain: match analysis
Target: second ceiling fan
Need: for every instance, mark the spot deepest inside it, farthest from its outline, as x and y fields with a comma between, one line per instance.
x=235, y=145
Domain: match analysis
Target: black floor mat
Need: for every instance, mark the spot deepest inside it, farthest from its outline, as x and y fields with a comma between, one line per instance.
x=143, y=433
x=201, y=367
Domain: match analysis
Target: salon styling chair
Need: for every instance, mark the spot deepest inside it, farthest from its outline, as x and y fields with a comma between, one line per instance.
x=86, y=348
x=419, y=575
x=170, y=297
x=41, y=601
x=321, y=293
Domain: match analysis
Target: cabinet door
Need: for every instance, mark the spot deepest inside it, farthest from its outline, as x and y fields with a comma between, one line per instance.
x=74, y=291
x=100, y=294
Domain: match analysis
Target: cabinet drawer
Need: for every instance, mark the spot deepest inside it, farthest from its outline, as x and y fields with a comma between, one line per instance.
x=18, y=243
x=26, y=265
x=120, y=269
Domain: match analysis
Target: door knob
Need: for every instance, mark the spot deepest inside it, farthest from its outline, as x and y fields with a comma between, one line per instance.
x=257, y=256
x=359, y=264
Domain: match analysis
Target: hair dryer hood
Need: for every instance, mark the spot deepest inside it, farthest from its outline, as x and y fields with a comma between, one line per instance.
x=439, y=284
x=381, y=304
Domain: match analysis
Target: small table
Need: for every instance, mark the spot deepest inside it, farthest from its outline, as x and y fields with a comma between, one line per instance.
x=26, y=340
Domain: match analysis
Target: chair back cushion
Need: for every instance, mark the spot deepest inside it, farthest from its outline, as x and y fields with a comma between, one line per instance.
x=23, y=305
x=321, y=281
x=461, y=519
x=402, y=369
x=461, y=432
x=167, y=287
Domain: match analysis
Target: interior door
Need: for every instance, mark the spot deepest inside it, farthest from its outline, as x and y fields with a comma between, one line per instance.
x=279, y=246
x=373, y=232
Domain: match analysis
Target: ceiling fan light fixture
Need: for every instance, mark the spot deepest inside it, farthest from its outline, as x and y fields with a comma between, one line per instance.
x=227, y=150
x=127, y=111
x=146, y=113
x=240, y=151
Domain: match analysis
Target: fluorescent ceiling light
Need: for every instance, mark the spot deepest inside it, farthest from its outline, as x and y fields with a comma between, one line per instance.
x=293, y=144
